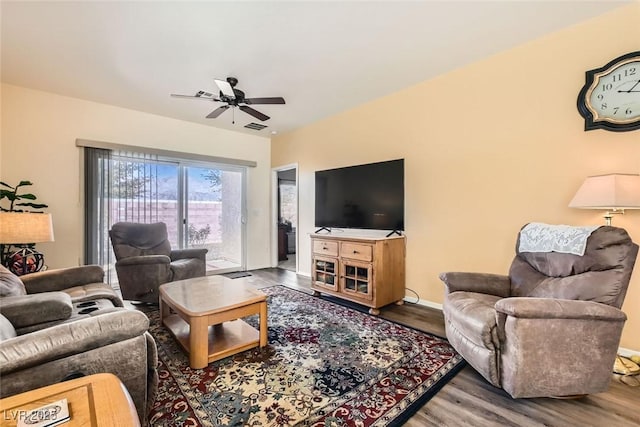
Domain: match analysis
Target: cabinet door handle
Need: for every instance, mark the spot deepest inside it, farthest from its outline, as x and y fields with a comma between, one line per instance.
x=355, y=252
x=324, y=248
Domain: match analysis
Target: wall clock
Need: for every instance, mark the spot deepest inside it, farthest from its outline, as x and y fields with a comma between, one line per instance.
x=610, y=98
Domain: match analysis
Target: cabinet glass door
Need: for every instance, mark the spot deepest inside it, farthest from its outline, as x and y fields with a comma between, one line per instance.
x=324, y=272
x=357, y=280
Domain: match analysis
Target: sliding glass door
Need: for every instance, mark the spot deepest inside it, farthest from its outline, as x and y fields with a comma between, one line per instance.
x=214, y=216
x=202, y=205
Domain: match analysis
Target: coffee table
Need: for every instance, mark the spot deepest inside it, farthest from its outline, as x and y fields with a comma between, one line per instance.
x=204, y=314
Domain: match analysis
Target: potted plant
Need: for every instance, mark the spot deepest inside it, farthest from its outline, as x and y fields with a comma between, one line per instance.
x=11, y=194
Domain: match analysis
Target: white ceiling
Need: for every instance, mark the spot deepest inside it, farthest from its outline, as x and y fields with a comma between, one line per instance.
x=322, y=57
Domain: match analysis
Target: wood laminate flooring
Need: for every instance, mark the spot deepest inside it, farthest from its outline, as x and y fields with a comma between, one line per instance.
x=469, y=400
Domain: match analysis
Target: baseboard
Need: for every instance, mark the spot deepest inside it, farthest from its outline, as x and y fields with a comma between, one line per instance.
x=626, y=352
x=424, y=303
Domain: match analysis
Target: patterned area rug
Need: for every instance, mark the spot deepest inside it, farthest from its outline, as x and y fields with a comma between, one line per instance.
x=325, y=365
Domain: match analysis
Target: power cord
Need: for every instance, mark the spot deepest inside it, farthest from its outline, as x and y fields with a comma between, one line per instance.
x=417, y=297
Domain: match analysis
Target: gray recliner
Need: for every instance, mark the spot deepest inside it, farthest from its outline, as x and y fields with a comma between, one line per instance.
x=551, y=327
x=116, y=342
x=55, y=296
x=63, y=323
x=145, y=260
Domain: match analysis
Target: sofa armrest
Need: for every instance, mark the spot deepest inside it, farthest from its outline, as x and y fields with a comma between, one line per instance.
x=70, y=338
x=484, y=283
x=152, y=371
x=551, y=308
x=143, y=260
x=28, y=310
x=177, y=254
x=63, y=278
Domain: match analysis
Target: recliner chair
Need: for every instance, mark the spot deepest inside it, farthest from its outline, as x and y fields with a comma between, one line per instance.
x=145, y=260
x=552, y=327
x=116, y=342
x=55, y=296
x=58, y=324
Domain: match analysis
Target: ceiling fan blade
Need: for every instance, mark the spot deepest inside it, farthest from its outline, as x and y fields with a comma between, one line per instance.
x=199, y=95
x=215, y=113
x=273, y=100
x=225, y=88
x=257, y=114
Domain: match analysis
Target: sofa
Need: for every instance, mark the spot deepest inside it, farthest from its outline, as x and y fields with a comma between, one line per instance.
x=54, y=335
x=552, y=326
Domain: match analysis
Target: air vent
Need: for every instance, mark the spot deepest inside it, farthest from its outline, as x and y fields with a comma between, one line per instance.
x=255, y=126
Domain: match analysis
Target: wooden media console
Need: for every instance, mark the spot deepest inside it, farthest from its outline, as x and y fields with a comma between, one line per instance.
x=365, y=270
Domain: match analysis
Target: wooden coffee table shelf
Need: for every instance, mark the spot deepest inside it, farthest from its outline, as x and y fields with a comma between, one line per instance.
x=204, y=315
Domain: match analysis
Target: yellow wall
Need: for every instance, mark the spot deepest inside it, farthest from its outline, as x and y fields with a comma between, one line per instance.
x=487, y=148
x=39, y=131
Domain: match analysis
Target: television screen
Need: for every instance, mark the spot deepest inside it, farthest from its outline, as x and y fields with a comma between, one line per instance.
x=365, y=196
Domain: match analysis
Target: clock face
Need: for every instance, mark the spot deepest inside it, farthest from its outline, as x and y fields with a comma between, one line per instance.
x=611, y=97
x=615, y=95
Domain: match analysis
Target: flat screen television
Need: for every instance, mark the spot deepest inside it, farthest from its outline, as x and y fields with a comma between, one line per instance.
x=369, y=196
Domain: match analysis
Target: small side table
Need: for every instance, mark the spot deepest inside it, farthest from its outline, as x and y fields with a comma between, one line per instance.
x=99, y=400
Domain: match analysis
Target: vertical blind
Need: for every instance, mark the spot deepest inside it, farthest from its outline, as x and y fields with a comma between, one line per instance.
x=190, y=195
x=119, y=186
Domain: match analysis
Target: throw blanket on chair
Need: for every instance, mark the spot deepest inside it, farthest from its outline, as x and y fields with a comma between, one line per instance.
x=538, y=237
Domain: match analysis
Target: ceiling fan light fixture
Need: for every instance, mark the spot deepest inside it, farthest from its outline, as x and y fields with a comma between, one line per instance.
x=225, y=88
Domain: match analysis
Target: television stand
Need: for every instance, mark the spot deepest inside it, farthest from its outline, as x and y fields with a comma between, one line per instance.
x=366, y=270
x=323, y=228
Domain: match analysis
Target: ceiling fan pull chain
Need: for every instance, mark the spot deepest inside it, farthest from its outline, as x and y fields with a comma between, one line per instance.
x=233, y=115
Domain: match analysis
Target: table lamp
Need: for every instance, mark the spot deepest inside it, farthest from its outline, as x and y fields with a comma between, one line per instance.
x=24, y=230
x=613, y=192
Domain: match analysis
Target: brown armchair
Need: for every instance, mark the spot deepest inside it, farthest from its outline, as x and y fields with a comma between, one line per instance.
x=552, y=326
x=145, y=260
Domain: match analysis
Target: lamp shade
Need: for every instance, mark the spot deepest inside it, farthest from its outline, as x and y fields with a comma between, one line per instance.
x=613, y=191
x=25, y=227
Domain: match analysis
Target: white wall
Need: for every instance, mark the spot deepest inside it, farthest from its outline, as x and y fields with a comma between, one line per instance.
x=39, y=131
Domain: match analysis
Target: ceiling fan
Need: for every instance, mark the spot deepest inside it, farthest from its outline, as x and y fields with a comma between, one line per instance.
x=233, y=97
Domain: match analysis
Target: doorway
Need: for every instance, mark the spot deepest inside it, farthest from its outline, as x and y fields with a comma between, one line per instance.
x=286, y=215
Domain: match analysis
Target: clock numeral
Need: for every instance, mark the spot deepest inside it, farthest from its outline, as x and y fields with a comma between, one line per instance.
x=607, y=86
x=604, y=106
x=600, y=97
x=628, y=111
x=630, y=72
x=615, y=110
x=617, y=77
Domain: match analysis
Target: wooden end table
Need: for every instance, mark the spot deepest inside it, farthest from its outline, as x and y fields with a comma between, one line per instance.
x=99, y=400
x=204, y=315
